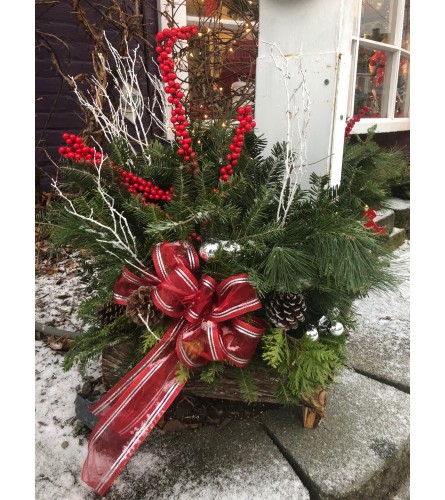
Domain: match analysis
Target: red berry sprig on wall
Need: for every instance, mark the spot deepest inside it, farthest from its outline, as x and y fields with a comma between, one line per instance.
x=246, y=124
x=166, y=40
x=355, y=119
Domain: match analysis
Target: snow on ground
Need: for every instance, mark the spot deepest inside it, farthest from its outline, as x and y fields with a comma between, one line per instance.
x=58, y=293
x=380, y=345
x=59, y=451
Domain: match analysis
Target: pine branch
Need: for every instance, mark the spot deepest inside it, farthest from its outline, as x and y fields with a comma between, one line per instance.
x=212, y=372
x=288, y=269
x=246, y=384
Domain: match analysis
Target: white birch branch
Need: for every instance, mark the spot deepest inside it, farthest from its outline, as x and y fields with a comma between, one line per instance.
x=297, y=121
x=130, y=105
x=121, y=236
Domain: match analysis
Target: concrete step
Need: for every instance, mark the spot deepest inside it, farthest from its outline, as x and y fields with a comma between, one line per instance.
x=236, y=462
x=401, y=210
x=403, y=493
x=360, y=450
x=396, y=238
x=379, y=346
x=385, y=217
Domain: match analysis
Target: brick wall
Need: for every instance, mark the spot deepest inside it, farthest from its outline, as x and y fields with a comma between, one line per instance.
x=56, y=108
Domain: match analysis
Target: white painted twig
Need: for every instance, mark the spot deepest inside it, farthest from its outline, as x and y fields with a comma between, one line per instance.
x=297, y=121
x=121, y=236
x=130, y=105
x=145, y=321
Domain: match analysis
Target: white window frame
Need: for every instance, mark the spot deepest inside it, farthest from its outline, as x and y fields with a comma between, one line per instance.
x=390, y=123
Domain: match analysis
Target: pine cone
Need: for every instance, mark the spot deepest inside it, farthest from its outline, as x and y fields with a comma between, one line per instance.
x=139, y=304
x=285, y=310
x=109, y=312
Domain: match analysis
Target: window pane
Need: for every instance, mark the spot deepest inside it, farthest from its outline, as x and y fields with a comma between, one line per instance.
x=378, y=20
x=405, y=33
x=372, y=82
x=222, y=59
x=402, y=99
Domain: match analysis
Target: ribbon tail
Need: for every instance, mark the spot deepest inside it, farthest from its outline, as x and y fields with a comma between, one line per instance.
x=159, y=351
x=121, y=431
x=130, y=411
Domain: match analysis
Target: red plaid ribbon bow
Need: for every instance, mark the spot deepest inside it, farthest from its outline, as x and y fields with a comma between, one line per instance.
x=210, y=326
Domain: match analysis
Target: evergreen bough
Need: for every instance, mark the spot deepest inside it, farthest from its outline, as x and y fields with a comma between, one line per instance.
x=321, y=250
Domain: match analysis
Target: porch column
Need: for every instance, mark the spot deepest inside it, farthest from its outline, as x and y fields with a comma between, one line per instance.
x=313, y=36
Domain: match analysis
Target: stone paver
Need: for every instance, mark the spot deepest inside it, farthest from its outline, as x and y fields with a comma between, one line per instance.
x=359, y=451
x=403, y=493
x=380, y=345
x=237, y=462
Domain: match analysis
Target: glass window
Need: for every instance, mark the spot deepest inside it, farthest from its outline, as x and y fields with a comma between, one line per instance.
x=222, y=59
x=402, y=102
x=405, y=32
x=372, y=81
x=377, y=20
x=380, y=77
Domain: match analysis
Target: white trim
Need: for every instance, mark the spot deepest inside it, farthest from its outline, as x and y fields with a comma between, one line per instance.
x=383, y=125
x=388, y=124
x=339, y=118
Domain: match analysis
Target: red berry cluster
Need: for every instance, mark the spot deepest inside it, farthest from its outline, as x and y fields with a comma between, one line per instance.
x=135, y=184
x=356, y=118
x=149, y=190
x=165, y=40
x=246, y=124
x=194, y=236
x=77, y=151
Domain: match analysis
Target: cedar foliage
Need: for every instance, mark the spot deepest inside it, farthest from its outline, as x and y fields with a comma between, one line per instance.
x=370, y=172
x=321, y=250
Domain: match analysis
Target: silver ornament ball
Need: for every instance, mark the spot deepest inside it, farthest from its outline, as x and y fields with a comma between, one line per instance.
x=312, y=332
x=337, y=329
x=209, y=248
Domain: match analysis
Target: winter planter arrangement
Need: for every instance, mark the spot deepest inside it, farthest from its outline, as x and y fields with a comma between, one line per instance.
x=210, y=270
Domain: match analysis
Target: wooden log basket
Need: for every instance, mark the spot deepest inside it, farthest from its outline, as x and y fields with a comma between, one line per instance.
x=226, y=387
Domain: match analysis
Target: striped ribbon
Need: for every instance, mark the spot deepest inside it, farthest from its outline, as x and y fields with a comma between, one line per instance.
x=210, y=325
